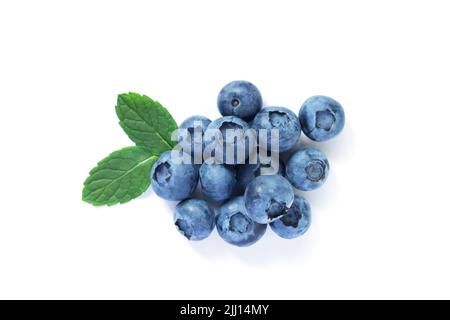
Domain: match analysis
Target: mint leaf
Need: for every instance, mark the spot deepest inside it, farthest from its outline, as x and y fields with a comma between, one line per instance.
x=146, y=122
x=120, y=177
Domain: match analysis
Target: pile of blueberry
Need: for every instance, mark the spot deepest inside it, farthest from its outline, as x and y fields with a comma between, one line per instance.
x=249, y=196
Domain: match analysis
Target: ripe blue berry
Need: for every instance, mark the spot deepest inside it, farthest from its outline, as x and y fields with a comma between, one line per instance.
x=234, y=225
x=217, y=181
x=172, y=180
x=194, y=219
x=267, y=198
x=307, y=169
x=241, y=99
x=282, y=119
x=190, y=134
x=233, y=146
x=296, y=221
x=322, y=118
x=247, y=172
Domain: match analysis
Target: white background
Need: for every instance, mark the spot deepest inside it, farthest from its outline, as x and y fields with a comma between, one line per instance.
x=381, y=224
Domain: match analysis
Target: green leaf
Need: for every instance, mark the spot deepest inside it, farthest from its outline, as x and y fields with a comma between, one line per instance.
x=120, y=177
x=146, y=122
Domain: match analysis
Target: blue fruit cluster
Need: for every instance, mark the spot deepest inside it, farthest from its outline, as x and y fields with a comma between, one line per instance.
x=249, y=195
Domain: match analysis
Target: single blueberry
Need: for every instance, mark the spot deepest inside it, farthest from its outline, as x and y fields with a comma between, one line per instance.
x=241, y=99
x=194, y=219
x=307, y=169
x=234, y=225
x=217, y=181
x=296, y=221
x=173, y=180
x=322, y=118
x=281, y=119
x=228, y=140
x=190, y=135
x=267, y=198
x=264, y=166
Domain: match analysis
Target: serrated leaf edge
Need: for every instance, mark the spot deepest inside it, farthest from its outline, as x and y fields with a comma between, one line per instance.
x=143, y=189
x=120, y=101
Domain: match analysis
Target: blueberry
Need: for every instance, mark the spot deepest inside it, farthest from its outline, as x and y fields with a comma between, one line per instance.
x=194, y=219
x=241, y=99
x=190, y=135
x=247, y=172
x=322, y=118
x=228, y=140
x=267, y=198
x=234, y=225
x=282, y=119
x=296, y=221
x=217, y=181
x=307, y=169
x=172, y=180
